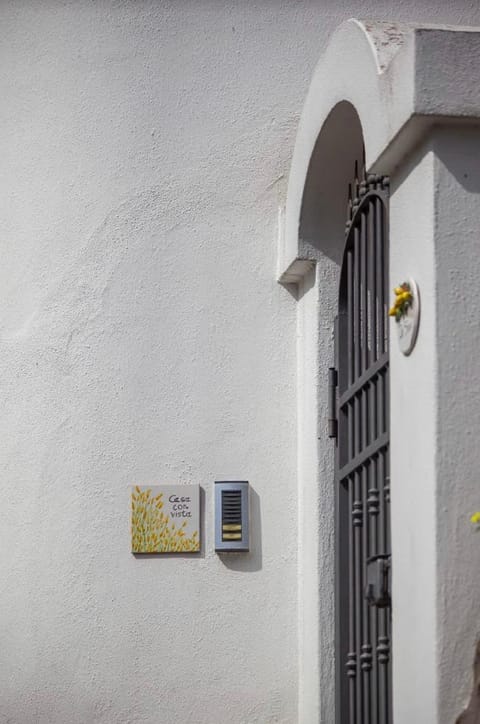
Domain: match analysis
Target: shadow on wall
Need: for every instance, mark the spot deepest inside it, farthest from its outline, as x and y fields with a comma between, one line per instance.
x=252, y=561
x=331, y=170
x=460, y=154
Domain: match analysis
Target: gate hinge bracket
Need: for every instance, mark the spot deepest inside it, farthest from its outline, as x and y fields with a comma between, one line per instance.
x=332, y=402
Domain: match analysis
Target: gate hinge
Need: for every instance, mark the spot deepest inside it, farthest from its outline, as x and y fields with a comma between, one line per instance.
x=332, y=402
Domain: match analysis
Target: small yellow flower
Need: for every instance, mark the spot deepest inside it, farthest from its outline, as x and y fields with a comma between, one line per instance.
x=392, y=312
x=475, y=518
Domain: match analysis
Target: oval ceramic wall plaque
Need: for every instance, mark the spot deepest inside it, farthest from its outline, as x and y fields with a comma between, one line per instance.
x=407, y=323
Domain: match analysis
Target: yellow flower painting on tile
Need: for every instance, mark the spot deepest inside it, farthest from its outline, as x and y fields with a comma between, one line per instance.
x=154, y=526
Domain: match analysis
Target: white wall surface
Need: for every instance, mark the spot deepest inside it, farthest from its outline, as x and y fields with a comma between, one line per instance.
x=435, y=426
x=143, y=339
x=413, y=419
x=457, y=235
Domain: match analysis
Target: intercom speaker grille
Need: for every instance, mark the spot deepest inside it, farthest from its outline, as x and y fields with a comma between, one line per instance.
x=231, y=515
x=232, y=525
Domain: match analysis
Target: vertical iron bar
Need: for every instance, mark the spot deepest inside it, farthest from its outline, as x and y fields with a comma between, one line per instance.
x=357, y=512
x=386, y=277
x=356, y=301
x=372, y=285
x=351, y=663
x=351, y=429
x=363, y=340
x=373, y=506
x=388, y=549
x=366, y=650
x=365, y=654
x=375, y=272
x=388, y=611
x=388, y=545
x=351, y=656
x=342, y=524
x=380, y=273
x=351, y=366
x=363, y=292
x=357, y=528
x=371, y=316
x=356, y=592
x=382, y=641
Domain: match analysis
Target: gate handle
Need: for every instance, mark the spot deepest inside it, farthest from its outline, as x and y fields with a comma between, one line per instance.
x=377, y=590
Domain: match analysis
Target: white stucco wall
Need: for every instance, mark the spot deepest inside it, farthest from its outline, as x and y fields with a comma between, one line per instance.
x=457, y=228
x=435, y=207
x=413, y=419
x=143, y=339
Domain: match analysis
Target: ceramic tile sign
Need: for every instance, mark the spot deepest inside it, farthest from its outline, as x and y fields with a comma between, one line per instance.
x=166, y=519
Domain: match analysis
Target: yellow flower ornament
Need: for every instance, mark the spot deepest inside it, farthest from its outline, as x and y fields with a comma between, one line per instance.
x=403, y=301
x=475, y=518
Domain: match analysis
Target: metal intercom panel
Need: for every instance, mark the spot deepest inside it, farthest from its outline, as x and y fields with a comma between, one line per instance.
x=232, y=529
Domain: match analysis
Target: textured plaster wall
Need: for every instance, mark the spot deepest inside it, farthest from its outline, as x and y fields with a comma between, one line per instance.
x=413, y=416
x=435, y=427
x=457, y=185
x=143, y=339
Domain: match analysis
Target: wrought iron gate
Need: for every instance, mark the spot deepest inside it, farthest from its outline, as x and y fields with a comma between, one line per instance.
x=359, y=419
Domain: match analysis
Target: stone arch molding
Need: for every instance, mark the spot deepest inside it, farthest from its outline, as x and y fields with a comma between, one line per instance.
x=385, y=83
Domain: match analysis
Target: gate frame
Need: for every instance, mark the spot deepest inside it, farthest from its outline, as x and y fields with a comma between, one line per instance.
x=399, y=82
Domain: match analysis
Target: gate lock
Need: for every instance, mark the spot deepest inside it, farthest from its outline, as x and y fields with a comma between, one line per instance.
x=377, y=590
